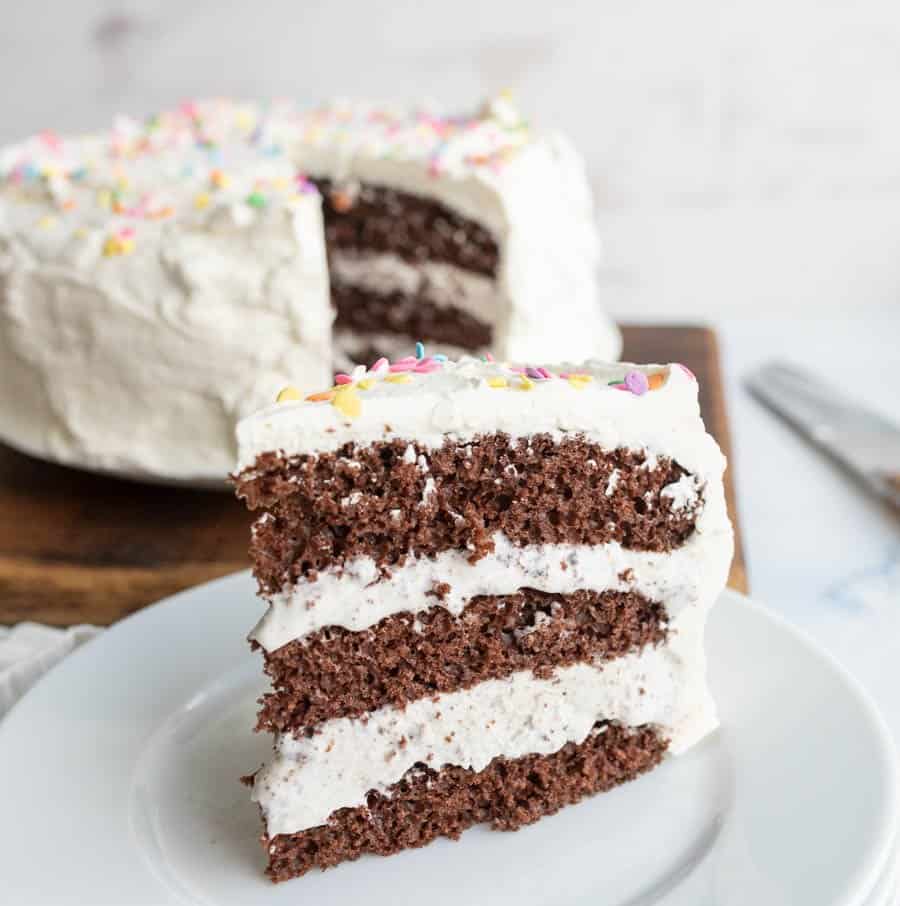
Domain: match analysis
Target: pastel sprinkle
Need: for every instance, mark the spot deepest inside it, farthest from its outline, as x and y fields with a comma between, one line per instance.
x=380, y=365
x=346, y=401
x=365, y=384
x=533, y=373
x=427, y=367
x=343, y=379
x=488, y=357
x=218, y=179
x=288, y=394
x=118, y=245
x=201, y=201
x=577, y=381
x=439, y=357
x=498, y=382
x=637, y=383
x=324, y=396
x=655, y=381
x=525, y=383
x=256, y=200
x=420, y=350
x=398, y=378
x=402, y=366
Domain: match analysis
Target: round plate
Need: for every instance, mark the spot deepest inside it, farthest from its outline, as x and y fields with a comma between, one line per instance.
x=119, y=783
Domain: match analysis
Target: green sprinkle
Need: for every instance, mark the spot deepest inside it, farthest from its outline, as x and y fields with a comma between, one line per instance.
x=256, y=200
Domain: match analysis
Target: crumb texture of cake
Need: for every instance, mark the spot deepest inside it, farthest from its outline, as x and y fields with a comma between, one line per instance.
x=508, y=794
x=479, y=578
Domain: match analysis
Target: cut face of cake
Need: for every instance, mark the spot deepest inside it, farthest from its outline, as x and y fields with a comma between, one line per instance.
x=463, y=231
x=486, y=591
x=164, y=273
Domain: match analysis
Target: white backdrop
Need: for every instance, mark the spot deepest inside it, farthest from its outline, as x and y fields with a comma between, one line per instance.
x=745, y=156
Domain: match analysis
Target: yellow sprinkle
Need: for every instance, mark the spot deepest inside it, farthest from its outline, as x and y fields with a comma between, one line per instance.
x=121, y=183
x=582, y=377
x=346, y=401
x=116, y=245
x=201, y=201
x=49, y=172
x=526, y=383
x=365, y=384
x=279, y=182
x=400, y=378
x=498, y=382
x=288, y=394
x=579, y=381
x=47, y=221
x=104, y=198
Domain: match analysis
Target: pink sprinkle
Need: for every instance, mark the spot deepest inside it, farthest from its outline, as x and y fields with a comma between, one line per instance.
x=402, y=366
x=534, y=373
x=488, y=357
x=516, y=370
x=126, y=233
x=622, y=387
x=426, y=367
x=564, y=376
x=687, y=370
x=637, y=383
x=343, y=379
x=50, y=139
x=381, y=363
x=547, y=374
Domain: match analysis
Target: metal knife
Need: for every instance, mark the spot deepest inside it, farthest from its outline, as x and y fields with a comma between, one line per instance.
x=859, y=439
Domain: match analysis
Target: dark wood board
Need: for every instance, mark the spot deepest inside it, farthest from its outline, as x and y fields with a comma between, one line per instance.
x=79, y=548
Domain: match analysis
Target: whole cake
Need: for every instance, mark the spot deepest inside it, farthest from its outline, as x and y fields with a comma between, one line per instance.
x=486, y=590
x=173, y=271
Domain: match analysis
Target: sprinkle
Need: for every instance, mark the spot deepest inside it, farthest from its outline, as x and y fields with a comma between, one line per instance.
x=577, y=381
x=586, y=378
x=439, y=357
x=526, y=384
x=346, y=401
x=288, y=394
x=498, y=382
x=201, y=201
x=47, y=221
x=398, y=378
x=381, y=365
x=256, y=200
x=365, y=384
x=402, y=366
x=488, y=357
x=636, y=382
x=534, y=373
x=324, y=396
x=655, y=381
x=343, y=379
x=218, y=179
x=420, y=350
x=118, y=245
x=427, y=366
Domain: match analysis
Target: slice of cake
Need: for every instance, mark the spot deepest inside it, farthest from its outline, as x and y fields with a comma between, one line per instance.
x=486, y=586
x=467, y=232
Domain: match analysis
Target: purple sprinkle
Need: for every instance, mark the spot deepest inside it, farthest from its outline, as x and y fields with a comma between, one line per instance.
x=534, y=373
x=637, y=383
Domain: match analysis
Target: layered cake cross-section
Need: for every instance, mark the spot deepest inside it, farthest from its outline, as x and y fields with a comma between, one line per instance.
x=486, y=591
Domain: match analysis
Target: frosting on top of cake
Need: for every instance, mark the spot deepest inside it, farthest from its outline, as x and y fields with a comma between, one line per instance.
x=650, y=407
x=197, y=164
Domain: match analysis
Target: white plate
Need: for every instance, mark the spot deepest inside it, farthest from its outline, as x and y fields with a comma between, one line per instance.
x=118, y=784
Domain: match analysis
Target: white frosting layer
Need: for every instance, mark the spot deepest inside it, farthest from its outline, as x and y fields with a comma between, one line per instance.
x=443, y=284
x=529, y=190
x=458, y=402
x=309, y=778
x=140, y=357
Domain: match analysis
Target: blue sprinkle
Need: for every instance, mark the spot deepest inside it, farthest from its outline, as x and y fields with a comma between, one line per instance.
x=420, y=350
x=439, y=357
x=31, y=172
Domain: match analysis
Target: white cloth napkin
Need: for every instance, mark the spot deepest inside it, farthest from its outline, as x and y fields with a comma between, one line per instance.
x=28, y=651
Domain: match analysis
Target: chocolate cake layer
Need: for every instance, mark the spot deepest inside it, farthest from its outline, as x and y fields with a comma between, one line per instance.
x=507, y=794
x=412, y=316
x=338, y=673
x=379, y=501
x=370, y=218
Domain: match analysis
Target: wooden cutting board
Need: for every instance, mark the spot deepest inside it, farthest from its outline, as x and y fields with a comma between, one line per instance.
x=78, y=548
